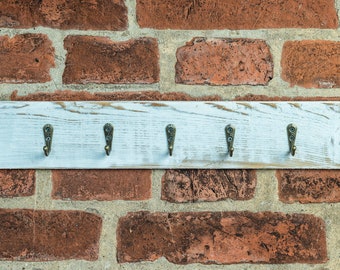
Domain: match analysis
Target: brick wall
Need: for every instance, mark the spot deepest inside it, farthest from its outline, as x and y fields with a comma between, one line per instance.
x=169, y=50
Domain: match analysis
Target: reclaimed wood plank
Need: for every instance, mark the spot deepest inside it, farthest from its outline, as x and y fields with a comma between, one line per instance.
x=139, y=139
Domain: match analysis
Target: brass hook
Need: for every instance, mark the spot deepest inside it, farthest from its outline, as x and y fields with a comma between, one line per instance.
x=291, y=131
x=108, y=133
x=48, y=135
x=170, y=134
x=230, y=134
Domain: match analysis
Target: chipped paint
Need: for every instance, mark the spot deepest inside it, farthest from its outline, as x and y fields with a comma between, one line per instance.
x=221, y=107
x=247, y=105
x=294, y=104
x=154, y=104
x=273, y=105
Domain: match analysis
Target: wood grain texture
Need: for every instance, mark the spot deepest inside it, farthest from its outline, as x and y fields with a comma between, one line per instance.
x=139, y=139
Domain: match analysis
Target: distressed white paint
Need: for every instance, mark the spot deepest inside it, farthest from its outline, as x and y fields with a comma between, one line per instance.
x=140, y=140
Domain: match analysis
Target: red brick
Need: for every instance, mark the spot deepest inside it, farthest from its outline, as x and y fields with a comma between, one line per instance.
x=208, y=185
x=26, y=58
x=68, y=95
x=236, y=14
x=311, y=63
x=221, y=238
x=101, y=185
x=309, y=186
x=17, y=183
x=251, y=97
x=224, y=62
x=37, y=235
x=64, y=14
x=100, y=60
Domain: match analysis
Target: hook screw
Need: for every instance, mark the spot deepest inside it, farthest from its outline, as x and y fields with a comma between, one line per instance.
x=291, y=132
x=108, y=133
x=48, y=134
x=170, y=134
x=230, y=134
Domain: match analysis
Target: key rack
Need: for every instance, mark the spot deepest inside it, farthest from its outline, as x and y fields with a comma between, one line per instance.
x=158, y=134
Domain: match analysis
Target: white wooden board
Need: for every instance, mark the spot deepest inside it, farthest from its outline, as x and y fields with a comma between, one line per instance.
x=140, y=141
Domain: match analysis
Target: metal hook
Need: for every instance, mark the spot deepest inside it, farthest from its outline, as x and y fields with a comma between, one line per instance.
x=48, y=135
x=170, y=134
x=108, y=133
x=230, y=134
x=291, y=131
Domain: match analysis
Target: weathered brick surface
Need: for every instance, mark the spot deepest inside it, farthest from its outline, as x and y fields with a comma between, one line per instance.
x=101, y=185
x=26, y=58
x=37, y=235
x=221, y=237
x=224, y=62
x=309, y=186
x=64, y=14
x=252, y=97
x=100, y=60
x=208, y=185
x=17, y=183
x=236, y=14
x=68, y=95
x=182, y=238
x=311, y=63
